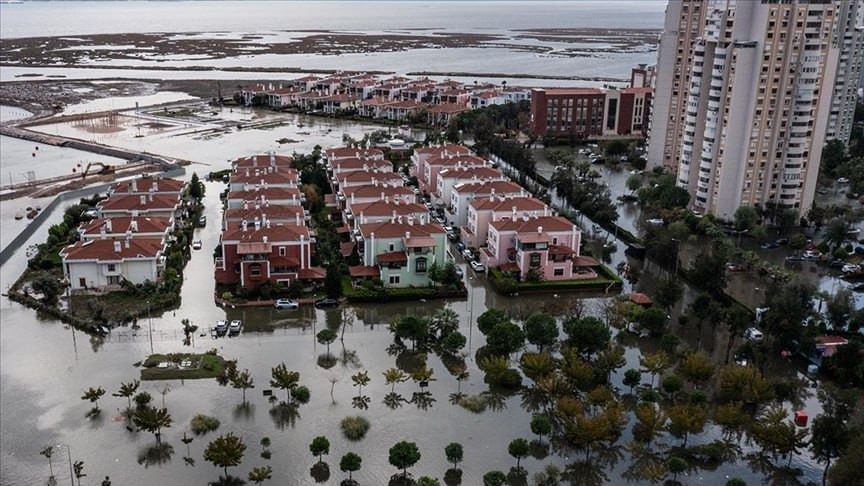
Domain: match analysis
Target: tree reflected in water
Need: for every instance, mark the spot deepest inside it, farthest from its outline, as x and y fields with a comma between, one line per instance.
x=284, y=414
x=156, y=455
x=394, y=400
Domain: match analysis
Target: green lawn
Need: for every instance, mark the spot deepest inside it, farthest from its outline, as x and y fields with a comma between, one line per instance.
x=203, y=366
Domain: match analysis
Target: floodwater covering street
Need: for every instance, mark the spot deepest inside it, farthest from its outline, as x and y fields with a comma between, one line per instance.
x=46, y=366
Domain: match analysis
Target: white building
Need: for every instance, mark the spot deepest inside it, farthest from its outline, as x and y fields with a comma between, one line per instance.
x=103, y=264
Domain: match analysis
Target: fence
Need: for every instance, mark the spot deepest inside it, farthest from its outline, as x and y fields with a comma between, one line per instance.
x=43, y=215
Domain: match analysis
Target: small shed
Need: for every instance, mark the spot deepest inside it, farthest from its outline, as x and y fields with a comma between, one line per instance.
x=639, y=298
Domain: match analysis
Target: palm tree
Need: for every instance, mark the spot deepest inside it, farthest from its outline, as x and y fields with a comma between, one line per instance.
x=394, y=376
x=187, y=441
x=152, y=420
x=360, y=380
x=48, y=451
x=79, y=471
x=260, y=474
x=655, y=364
x=423, y=376
x=93, y=395
x=836, y=232
x=127, y=390
x=445, y=321
x=225, y=451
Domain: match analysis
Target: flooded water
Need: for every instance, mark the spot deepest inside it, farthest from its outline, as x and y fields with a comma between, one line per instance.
x=45, y=368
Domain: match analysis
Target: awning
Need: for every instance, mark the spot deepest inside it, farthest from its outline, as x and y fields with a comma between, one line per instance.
x=396, y=256
x=347, y=248
x=253, y=248
x=312, y=273
x=585, y=261
x=640, y=298
x=360, y=271
x=420, y=242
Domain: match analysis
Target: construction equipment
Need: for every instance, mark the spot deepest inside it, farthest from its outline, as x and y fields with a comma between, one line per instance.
x=99, y=169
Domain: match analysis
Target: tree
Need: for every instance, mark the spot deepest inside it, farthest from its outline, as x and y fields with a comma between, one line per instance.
x=672, y=384
x=494, y=478
x=610, y=360
x=634, y=183
x=404, y=455
x=840, y=307
x=541, y=330
x=655, y=364
x=588, y=335
x=260, y=474
x=423, y=375
x=541, y=425
x=93, y=395
x=225, y=451
x=676, y=466
x=393, y=376
x=454, y=453
x=668, y=294
x=196, y=187
x=489, y=319
x=505, y=338
x=127, y=390
x=326, y=337
x=454, y=342
x=830, y=433
x=519, y=449
x=333, y=281
x=536, y=365
x=745, y=218
x=777, y=435
x=319, y=447
x=152, y=420
x=284, y=379
x=413, y=328
x=686, y=419
x=653, y=320
x=445, y=321
x=650, y=422
x=849, y=468
x=696, y=367
x=836, y=233
x=79, y=471
x=350, y=463
x=360, y=380
x=426, y=481
x=48, y=451
x=632, y=378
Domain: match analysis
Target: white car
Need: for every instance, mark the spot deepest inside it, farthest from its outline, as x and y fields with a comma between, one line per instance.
x=197, y=245
x=849, y=268
x=753, y=334
x=655, y=221
x=234, y=327
x=636, y=172
x=286, y=304
x=477, y=267
x=843, y=180
x=466, y=253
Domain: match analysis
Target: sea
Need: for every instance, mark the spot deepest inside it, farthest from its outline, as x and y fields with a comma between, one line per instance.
x=275, y=19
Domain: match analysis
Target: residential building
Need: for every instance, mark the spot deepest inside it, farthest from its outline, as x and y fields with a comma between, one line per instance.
x=264, y=196
x=405, y=110
x=165, y=206
x=403, y=251
x=382, y=211
x=104, y=264
x=123, y=226
x=381, y=192
x=276, y=214
x=451, y=176
x=567, y=112
x=339, y=103
x=149, y=185
x=482, y=211
x=375, y=107
x=353, y=164
x=262, y=161
x=334, y=154
x=253, y=254
x=462, y=195
x=684, y=23
x=759, y=87
x=268, y=176
x=627, y=111
x=443, y=114
x=367, y=177
x=426, y=162
x=548, y=244
x=849, y=37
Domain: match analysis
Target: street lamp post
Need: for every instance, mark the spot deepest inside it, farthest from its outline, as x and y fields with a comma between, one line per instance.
x=470, y=311
x=71, y=474
x=150, y=326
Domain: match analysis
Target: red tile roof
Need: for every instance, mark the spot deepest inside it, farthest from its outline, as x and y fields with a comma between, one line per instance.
x=275, y=234
x=370, y=176
x=496, y=204
x=585, y=261
x=387, y=229
x=640, y=298
x=383, y=208
x=352, y=152
x=106, y=250
x=354, y=163
x=488, y=187
x=440, y=149
x=359, y=271
x=456, y=159
x=262, y=160
x=281, y=175
x=273, y=212
x=374, y=191
x=396, y=256
x=270, y=193
x=121, y=224
x=144, y=184
x=312, y=273
x=470, y=173
x=548, y=223
x=129, y=202
x=448, y=108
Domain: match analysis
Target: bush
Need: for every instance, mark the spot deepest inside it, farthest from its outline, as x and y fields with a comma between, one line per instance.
x=301, y=394
x=473, y=403
x=354, y=427
x=201, y=424
x=508, y=378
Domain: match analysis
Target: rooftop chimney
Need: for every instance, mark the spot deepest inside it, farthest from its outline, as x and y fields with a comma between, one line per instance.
x=245, y=225
x=133, y=225
x=407, y=235
x=254, y=161
x=264, y=238
x=102, y=232
x=117, y=246
x=107, y=225
x=539, y=229
x=133, y=186
x=143, y=199
x=257, y=224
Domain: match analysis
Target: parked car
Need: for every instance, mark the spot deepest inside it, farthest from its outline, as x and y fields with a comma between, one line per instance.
x=782, y=241
x=849, y=268
x=460, y=247
x=234, y=327
x=812, y=254
x=459, y=271
x=838, y=263
x=221, y=328
x=326, y=303
x=288, y=304
x=477, y=266
x=753, y=334
x=770, y=245
x=636, y=172
x=842, y=180
x=467, y=254
x=655, y=221
x=197, y=245
x=734, y=267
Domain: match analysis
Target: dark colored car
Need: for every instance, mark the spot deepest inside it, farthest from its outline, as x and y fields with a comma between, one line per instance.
x=771, y=245
x=326, y=303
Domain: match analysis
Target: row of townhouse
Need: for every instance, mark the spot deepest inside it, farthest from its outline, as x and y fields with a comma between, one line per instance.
x=394, y=235
x=394, y=98
x=265, y=237
x=127, y=240
x=513, y=231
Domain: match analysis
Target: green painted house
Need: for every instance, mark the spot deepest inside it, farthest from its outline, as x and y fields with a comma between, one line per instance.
x=403, y=250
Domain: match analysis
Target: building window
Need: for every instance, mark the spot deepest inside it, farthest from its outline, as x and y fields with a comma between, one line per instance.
x=112, y=267
x=420, y=265
x=391, y=247
x=535, y=260
x=394, y=279
x=255, y=270
x=281, y=251
x=558, y=272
